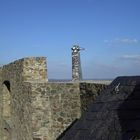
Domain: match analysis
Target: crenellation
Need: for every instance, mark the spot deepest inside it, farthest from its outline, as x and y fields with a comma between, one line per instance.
x=35, y=68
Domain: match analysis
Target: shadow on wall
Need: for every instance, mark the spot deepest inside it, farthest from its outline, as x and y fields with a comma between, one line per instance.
x=7, y=84
x=61, y=136
x=89, y=92
x=129, y=116
x=6, y=110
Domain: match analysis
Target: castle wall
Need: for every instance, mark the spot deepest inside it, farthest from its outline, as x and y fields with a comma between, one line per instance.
x=89, y=92
x=11, y=79
x=21, y=114
x=55, y=106
x=14, y=96
x=35, y=69
x=32, y=108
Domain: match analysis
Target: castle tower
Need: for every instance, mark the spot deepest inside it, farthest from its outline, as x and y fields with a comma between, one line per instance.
x=76, y=63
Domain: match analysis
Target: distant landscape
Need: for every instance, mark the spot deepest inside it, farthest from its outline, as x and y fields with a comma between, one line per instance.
x=101, y=81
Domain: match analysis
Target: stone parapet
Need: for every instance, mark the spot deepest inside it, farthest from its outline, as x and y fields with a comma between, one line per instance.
x=15, y=123
x=35, y=68
x=31, y=108
x=26, y=69
x=89, y=92
x=54, y=107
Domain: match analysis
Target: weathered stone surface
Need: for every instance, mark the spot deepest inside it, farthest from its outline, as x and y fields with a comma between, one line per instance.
x=15, y=120
x=35, y=69
x=76, y=64
x=89, y=92
x=32, y=108
x=55, y=106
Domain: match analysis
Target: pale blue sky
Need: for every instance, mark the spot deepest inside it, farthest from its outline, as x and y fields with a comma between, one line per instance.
x=108, y=30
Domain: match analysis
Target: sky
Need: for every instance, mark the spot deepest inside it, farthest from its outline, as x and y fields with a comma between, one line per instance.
x=107, y=29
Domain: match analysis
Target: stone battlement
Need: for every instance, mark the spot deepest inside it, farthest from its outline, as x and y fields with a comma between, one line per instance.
x=27, y=69
x=32, y=108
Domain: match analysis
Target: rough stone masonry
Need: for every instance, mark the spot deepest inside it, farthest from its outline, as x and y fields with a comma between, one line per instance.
x=31, y=108
x=76, y=63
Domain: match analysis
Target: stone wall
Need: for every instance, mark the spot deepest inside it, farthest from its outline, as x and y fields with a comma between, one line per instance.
x=21, y=114
x=55, y=106
x=89, y=92
x=35, y=69
x=26, y=69
x=14, y=97
x=32, y=108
